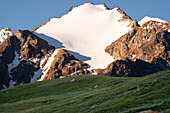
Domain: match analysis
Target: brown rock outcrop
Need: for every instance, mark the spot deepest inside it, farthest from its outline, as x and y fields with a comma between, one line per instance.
x=148, y=42
x=147, y=49
x=125, y=16
x=65, y=64
x=31, y=45
x=132, y=23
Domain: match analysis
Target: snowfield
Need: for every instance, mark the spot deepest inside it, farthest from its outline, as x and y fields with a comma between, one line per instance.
x=86, y=31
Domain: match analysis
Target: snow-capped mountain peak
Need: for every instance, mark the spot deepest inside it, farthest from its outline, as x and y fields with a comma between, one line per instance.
x=146, y=19
x=87, y=30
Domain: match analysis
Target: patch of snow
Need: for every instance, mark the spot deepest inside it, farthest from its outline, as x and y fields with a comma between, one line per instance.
x=133, y=56
x=96, y=86
x=148, y=27
x=62, y=76
x=4, y=33
x=73, y=61
x=94, y=72
x=146, y=19
x=34, y=60
x=48, y=64
x=92, y=106
x=21, y=83
x=15, y=62
x=37, y=74
x=87, y=30
x=12, y=65
x=73, y=80
x=4, y=86
x=12, y=83
x=24, y=45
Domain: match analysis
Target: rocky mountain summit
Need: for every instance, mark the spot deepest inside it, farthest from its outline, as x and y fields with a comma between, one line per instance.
x=108, y=43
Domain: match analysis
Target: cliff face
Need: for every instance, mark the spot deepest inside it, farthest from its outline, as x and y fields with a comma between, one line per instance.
x=20, y=57
x=63, y=64
x=7, y=53
x=147, y=42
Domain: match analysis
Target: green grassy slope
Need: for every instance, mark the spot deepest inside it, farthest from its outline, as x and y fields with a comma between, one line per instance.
x=114, y=95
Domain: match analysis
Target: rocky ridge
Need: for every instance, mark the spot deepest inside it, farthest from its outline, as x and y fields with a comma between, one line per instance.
x=148, y=43
x=21, y=57
x=63, y=64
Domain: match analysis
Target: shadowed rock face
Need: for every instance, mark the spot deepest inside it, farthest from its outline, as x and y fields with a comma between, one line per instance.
x=23, y=72
x=7, y=48
x=4, y=77
x=27, y=46
x=150, y=43
x=31, y=45
x=128, y=68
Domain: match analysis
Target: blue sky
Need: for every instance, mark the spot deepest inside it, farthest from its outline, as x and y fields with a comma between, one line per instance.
x=28, y=14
